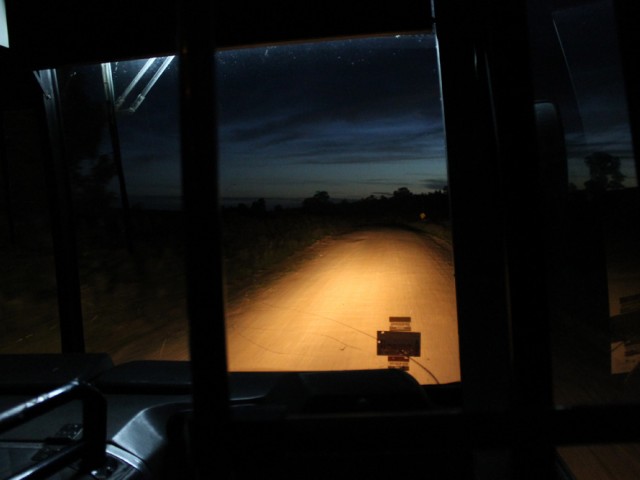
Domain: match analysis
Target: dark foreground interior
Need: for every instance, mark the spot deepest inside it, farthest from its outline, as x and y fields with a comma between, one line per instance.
x=79, y=412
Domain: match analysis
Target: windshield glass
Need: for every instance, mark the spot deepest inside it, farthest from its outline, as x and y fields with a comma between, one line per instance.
x=334, y=205
x=334, y=184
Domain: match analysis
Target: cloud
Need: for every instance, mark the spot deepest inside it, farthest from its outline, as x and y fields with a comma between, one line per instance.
x=297, y=86
x=301, y=118
x=434, y=183
x=378, y=140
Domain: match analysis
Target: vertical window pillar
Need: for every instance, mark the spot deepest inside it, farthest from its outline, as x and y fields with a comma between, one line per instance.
x=62, y=225
x=205, y=294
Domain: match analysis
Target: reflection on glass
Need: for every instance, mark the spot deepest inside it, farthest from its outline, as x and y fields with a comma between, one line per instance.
x=610, y=180
x=128, y=220
x=591, y=224
x=594, y=236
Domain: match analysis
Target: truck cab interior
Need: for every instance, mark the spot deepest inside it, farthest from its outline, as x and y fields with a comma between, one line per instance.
x=136, y=337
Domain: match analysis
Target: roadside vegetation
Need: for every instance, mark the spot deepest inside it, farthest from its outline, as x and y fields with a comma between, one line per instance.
x=133, y=282
x=259, y=241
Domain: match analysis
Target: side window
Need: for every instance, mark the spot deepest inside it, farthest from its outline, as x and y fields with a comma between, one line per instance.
x=602, y=166
x=593, y=233
x=121, y=130
x=596, y=272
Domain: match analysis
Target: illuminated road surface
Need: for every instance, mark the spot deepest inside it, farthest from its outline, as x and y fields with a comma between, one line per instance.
x=325, y=314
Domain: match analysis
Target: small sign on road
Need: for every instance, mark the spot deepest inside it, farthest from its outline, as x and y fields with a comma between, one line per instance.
x=398, y=343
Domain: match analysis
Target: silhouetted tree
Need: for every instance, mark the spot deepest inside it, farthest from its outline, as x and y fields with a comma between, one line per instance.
x=402, y=192
x=402, y=199
x=604, y=172
x=259, y=207
x=319, y=203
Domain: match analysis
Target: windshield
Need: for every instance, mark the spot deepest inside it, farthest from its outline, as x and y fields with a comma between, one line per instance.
x=335, y=211
x=333, y=181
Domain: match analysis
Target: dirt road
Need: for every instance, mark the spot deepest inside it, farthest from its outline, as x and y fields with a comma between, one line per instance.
x=325, y=313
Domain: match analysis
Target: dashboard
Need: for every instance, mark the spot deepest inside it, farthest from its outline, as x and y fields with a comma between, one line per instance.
x=80, y=416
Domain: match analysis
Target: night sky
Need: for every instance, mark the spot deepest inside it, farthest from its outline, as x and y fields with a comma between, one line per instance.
x=589, y=47
x=354, y=118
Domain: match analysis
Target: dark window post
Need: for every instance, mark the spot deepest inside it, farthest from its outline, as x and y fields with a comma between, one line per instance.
x=205, y=299
x=62, y=225
x=493, y=180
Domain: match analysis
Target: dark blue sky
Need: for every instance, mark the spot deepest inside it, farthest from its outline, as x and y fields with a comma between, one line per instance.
x=353, y=117
x=589, y=46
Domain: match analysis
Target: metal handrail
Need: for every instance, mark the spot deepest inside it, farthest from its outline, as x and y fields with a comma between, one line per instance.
x=90, y=449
